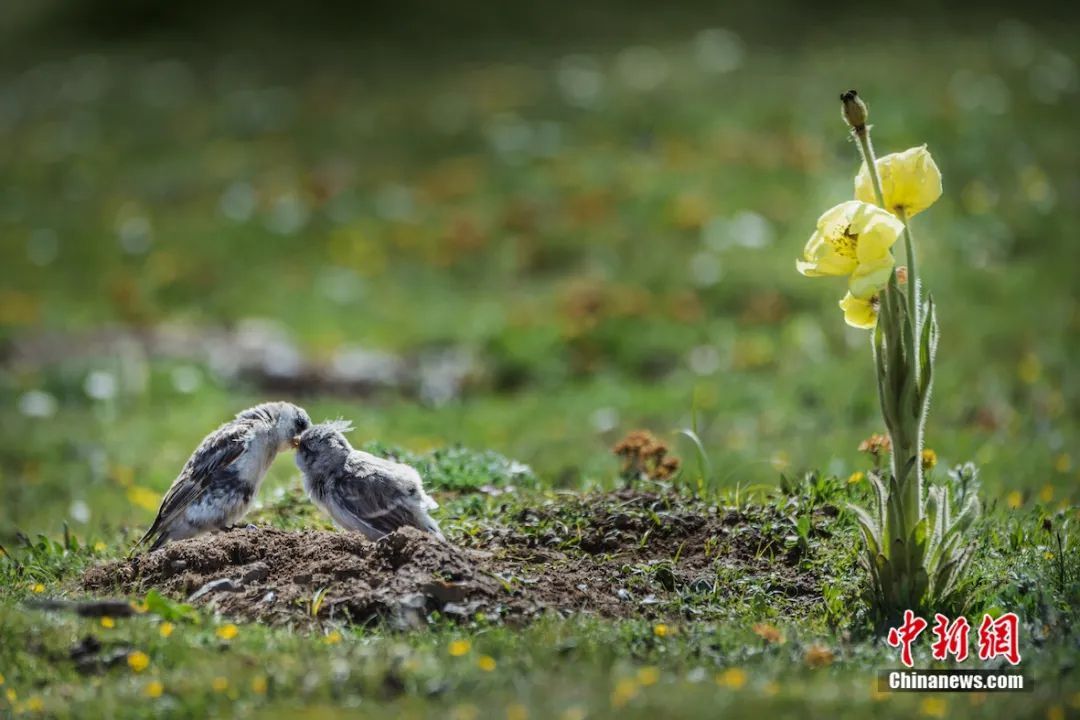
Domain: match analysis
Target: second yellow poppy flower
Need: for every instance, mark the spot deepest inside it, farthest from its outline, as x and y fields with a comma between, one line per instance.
x=910, y=181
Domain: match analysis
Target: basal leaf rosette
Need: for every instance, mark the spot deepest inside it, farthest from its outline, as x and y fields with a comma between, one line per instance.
x=910, y=181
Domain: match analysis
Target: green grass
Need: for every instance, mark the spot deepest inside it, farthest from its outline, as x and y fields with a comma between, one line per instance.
x=677, y=667
x=600, y=262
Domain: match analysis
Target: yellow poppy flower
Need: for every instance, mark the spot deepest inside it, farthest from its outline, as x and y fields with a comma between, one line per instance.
x=854, y=238
x=910, y=181
x=858, y=312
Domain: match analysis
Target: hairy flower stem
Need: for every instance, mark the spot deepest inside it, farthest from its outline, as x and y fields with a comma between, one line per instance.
x=866, y=148
x=913, y=276
x=906, y=434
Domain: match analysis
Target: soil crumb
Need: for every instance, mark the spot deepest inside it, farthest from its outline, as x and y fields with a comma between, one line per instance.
x=627, y=554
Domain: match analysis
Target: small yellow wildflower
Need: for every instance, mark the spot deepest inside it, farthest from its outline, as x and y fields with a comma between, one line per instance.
x=858, y=312
x=933, y=707
x=929, y=459
x=1014, y=500
x=99, y=546
x=141, y=607
x=517, y=711
x=1063, y=463
x=11, y=695
x=138, y=661
x=625, y=690
x=35, y=704
x=690, y=211
x=259, y=684
x=37, y=588
x=153, y=689
x=648, y=676
x=227, y=632
x=166, y=629
x=910, y=181
x=333, y=638
x=818, y=656
x=733, y=678
x=486, y=663
x=661, y=630
x=1036, y=185
x=107, y=622
x=219, y=684
x=769, y=633
x=459, y=647
x=853, y=239
x=123, y=475
x=856, y=477
x=465, y=711
x=142, y=497
x=771, y=688
x=1029, y=369
x=1047, y=493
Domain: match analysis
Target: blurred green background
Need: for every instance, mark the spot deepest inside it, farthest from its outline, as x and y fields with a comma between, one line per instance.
x=521, y=229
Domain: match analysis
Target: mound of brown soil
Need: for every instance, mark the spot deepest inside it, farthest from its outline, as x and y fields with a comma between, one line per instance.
x=280, y=576
x=619, y=555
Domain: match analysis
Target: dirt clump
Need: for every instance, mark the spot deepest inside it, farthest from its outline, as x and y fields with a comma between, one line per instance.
x=281, y=576
x=625, y=554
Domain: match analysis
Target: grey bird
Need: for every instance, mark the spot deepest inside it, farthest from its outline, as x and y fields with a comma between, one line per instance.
x=360, y=491
x=220, y=479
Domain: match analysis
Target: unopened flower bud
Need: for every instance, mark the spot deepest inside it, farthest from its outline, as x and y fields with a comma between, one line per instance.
x=854, y=110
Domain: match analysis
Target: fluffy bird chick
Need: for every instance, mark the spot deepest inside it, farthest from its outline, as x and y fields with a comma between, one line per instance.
x=219, y=480
x=358, y=490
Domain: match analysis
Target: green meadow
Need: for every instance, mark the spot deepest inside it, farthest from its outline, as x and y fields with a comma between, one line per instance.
x=502, y=255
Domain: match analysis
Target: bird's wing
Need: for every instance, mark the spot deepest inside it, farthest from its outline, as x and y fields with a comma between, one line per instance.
x=370, y=495
x=218, y=450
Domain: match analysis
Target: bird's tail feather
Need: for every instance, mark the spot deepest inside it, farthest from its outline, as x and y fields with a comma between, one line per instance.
x=156, y=532
x=151, y=532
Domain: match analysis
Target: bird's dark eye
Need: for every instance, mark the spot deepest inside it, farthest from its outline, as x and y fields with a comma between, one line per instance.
x=412, y=491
